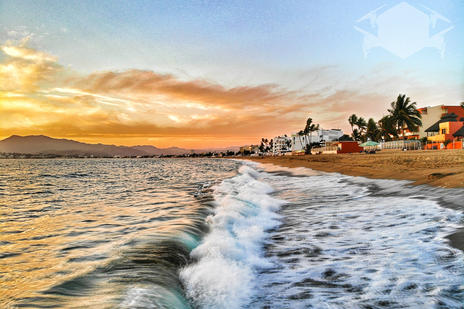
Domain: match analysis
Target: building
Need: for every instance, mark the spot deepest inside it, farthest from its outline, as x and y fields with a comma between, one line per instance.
x=320, y=136
x=249, y=149
x=281, y=145
x=338, y=147
x=349, y=147
x=459, y=137
x=432, y=114
x=446, y=133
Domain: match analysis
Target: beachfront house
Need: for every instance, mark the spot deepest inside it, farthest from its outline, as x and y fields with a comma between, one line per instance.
x=299, y=142
x=446, y=133
x=281, y=145
x=432, y=114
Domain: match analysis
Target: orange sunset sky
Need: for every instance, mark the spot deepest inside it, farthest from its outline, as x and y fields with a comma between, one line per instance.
x=222, y=77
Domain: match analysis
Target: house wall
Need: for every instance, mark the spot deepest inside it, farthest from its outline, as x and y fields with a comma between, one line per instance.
x=299, y=142
x=438, y=146
x=458, y=110
x=349, y=147
x=440, y=138
x=449, y=128
x=454, y=126
x=432, y=114
x=279, y=145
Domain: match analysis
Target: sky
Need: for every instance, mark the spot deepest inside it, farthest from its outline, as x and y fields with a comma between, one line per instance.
x=203, y=74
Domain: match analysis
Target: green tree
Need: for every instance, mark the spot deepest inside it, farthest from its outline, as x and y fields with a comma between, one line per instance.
x=301, y=134
x=288, y=143
x=308, y=148
x=309, y=129
x=373, y=132
x=353, y=119
x=262, y=146
x=405, y=114
x=387, y=128
x=356, y=135
x=345, y=137
x=362, y=126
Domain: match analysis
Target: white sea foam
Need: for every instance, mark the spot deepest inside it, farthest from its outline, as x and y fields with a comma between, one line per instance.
x=227, y=260
x=341, y=242
x=342, y=245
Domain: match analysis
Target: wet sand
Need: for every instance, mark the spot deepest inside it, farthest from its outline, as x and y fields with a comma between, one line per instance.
x=435, y=168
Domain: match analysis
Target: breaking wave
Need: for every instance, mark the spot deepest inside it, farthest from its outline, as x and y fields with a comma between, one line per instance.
x=223, y=274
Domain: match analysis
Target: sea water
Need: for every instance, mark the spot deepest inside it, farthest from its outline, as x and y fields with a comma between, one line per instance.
x=214, y=233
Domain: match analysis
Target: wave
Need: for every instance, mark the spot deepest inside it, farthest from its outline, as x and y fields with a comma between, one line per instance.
x=351, y=242
x=224, y=272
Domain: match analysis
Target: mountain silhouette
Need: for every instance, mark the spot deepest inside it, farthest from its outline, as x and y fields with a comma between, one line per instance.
x=41, y=144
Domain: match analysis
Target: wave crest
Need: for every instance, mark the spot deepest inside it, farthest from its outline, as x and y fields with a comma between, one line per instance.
x=223, y=275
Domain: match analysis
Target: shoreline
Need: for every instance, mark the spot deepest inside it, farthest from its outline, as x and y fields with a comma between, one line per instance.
x=435, y=168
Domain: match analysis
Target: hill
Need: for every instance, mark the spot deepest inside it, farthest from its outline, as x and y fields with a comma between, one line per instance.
x=40, y=144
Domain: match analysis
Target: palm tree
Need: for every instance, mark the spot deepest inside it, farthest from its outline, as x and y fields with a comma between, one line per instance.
x=310, y=128
x=262, y=146
x=352, y=120
x=405, y=113
x=300, y=134
x=289, y=145
x=387, y=128
x=362, y=126
x=372, y=131
x=356, y=135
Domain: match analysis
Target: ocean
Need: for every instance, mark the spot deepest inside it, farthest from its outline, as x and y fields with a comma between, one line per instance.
x=215, y=233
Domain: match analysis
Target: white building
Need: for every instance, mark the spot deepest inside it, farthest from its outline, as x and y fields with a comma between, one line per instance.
x=299, y=142
x=281, y=145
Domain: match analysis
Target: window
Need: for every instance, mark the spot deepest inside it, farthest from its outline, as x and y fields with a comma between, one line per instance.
x=443, y=131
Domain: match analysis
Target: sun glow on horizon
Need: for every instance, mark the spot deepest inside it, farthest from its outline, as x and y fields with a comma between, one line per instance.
x=248, y=74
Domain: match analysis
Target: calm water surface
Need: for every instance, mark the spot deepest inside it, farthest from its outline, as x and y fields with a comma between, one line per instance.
x=206, y=233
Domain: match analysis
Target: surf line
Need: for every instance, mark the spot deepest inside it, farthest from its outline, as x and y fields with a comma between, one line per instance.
x=225, y=263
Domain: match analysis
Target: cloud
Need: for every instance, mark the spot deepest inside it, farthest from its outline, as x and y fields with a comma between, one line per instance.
x=204, y=93
x=29, y=54
x=24, y=69
x=39, y=96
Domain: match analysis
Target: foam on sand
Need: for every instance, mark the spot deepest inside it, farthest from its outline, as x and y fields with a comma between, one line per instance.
x=350, y=242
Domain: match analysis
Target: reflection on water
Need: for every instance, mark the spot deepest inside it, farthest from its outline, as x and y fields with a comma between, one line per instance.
x=120, y=233
x=95, y=232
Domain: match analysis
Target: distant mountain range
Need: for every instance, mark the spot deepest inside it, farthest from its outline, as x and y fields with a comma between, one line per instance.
x=40, y=144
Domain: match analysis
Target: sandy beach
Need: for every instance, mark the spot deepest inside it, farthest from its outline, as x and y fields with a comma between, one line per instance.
x=436, y=168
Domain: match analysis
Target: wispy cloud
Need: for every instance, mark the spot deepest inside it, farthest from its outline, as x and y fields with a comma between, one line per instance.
x=37, y=95
x=40, y=96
